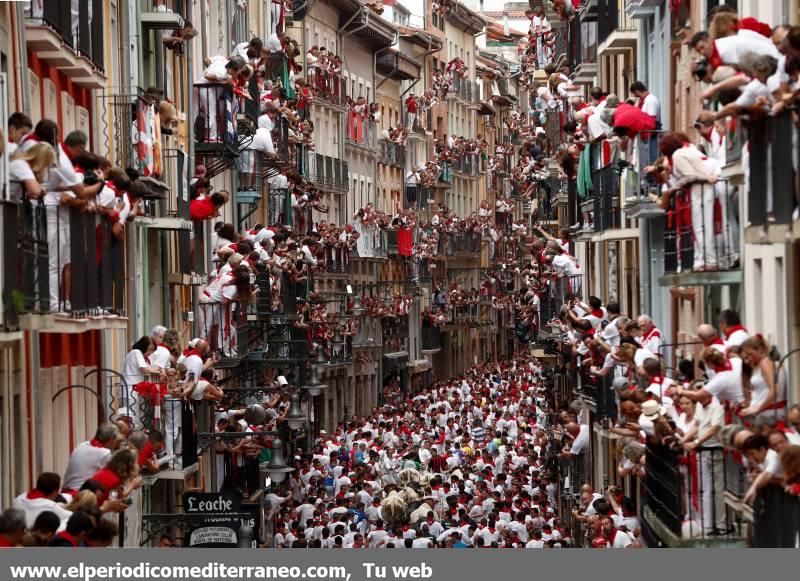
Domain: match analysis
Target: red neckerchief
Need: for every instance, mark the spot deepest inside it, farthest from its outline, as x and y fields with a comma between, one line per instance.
x=612, y=536
x=732, y=330
x=66, y=151
x=30, y=137
x=728, y=366
x=95, y=443
x=162, y=345
x=109, y=184
x=716, y=60
x=652, y=332
x=658, y=379
x=189, y=351
x=597, y=313
x=35, y=494
x=714, y=341
x=640, y=103
x=65, y=535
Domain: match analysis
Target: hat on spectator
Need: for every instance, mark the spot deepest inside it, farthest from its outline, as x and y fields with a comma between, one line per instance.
x=282, y=382
x=235, y=258
x=650, y=409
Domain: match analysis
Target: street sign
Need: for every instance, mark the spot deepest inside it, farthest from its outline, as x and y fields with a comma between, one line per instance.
x=222, y=517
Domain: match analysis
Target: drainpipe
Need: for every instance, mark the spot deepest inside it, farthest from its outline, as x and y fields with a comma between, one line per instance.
x=23, y=90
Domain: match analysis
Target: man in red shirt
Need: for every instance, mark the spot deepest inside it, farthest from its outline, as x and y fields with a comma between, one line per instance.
x=411, y=107
x=206, y=208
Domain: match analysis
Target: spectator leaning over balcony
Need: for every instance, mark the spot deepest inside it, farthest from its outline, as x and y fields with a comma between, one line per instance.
x=19, y=126
x=63, y=188
x=118, y=476
x=206, y=207
x=27, y=170
x=756, y=96
x=89, y=457
x=765, y=461
x=648, y=104
x=730, y=49
x=209, y=110
x=691, y=174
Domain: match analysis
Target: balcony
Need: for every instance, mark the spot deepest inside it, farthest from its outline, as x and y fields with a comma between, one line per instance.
x=431, y=338
x=95, y=291
x=465, y=91
x=585, y=69
x=687, y=507
x=395, y=336
x=446, y=175
x=398, y=66
x=638, y=9
x=704, y=253
x=365, y=25
x=77, y=52
x=162, y=14
x=453, y=245
x=167, y=206
x=361, y=133
x=604, y=201
x=392, y=154
x=617, y=29
x=467, y=165
x=215, y=123
x=325, y=172
x=328, y=89
x=773, y=195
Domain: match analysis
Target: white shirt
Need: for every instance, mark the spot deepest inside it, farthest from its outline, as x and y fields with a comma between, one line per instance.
x=18, y=171
x=751, y=92
x=193, y=364
x=772, y=464
x=736, y=338
x=33, y=508
x=642, y=355
x=651, y=106
x=161, y=357
x=132, y=370
x=84, y=462
x=727, y=385
x=652, y=340
x=610, y=334
x=581, y=442
x=262, y=141
x=621, y=541
x=57, y=178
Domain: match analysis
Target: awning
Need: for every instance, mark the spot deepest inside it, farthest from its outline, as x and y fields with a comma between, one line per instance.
x=396, y=359
x=419, y=366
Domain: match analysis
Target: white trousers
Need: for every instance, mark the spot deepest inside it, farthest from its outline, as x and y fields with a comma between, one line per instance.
x=173, y=410
x=58, y=250
x=705, y=247
x=712, y=489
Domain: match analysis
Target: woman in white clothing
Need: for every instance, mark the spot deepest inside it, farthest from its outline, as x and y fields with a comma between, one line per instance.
x=135, y=370
x=764, y=395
